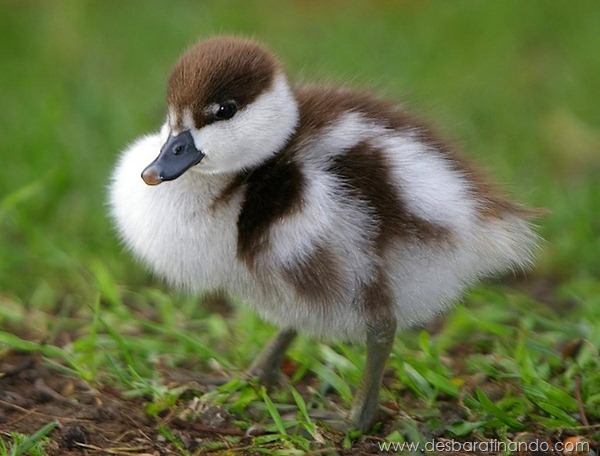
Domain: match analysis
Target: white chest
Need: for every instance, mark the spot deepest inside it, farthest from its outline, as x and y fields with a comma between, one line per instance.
x=172, y=227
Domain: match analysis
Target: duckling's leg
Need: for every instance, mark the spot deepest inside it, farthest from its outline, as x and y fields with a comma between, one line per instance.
x=380, y=338
x=266, y=366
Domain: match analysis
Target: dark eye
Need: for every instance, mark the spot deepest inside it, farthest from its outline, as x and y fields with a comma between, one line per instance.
x=226, y=110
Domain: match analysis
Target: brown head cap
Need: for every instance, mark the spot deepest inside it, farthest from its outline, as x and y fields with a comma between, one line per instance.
x=219, y=69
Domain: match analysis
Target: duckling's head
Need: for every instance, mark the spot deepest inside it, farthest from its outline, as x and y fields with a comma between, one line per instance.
x=230, y=107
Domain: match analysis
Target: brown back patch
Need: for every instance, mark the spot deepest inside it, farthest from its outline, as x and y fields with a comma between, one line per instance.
x=321, y=106
x=272, y=191
x=217, y=70
x=316, y=277
x=366, y=175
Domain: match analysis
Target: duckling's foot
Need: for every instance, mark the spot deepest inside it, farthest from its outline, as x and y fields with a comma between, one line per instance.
x=193, y=378
x=266, y=367
x=342, y=422
x=271, y=380
x=336, y=421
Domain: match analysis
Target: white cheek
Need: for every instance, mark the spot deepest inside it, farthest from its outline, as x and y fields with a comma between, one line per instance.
x=252, y=135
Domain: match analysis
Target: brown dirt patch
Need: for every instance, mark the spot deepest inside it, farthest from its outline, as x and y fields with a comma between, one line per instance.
x=100, y=421
x=90, y=420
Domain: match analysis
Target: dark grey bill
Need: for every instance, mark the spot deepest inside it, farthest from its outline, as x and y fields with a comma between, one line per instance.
x=176, y=156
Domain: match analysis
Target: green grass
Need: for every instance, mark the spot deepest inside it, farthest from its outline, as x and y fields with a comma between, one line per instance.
x=32, y=445
x=515, y=83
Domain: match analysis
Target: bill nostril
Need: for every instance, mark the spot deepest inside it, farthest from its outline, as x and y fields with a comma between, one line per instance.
x=178, y=150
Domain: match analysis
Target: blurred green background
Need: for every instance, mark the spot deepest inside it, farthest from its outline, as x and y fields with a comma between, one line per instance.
x=516, y=84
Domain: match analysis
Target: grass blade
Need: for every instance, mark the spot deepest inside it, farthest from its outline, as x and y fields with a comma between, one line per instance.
x=34, y=438
x=273, y=411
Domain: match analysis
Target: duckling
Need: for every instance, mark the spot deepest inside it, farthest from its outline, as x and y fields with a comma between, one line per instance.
x=328, y=210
